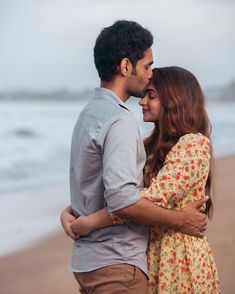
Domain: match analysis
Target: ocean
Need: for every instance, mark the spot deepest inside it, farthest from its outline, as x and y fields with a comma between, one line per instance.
x=35, y=141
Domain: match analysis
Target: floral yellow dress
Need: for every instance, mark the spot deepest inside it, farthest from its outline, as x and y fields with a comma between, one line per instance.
x=179, y=263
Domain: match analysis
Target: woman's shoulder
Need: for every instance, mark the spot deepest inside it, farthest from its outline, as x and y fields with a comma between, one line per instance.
x=189, y=144
x=196, y=139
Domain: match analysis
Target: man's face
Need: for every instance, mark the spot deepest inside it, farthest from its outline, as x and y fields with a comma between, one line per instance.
x=139, y=80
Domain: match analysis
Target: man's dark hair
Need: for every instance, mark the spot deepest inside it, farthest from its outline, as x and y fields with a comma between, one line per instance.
x=124, y=39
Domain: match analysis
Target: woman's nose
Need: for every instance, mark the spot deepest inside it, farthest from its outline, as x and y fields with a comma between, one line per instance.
x=143, y=101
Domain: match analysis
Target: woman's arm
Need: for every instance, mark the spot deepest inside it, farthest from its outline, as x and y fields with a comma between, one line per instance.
x=188, y=221
x=83, y=225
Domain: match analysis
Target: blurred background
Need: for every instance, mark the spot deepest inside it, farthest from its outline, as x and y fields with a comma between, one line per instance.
x=47, y=74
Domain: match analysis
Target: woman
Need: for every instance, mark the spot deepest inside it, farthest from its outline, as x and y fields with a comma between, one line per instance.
x=177, y=172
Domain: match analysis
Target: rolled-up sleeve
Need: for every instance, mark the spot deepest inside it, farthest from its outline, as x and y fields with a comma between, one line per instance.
x=120, y=163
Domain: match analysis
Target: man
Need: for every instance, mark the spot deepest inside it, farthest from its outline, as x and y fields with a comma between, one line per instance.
x=107, y=159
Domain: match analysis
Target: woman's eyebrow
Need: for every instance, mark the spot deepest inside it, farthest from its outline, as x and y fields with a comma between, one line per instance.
x=151, y=89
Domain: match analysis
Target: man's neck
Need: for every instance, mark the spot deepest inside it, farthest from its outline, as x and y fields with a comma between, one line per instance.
x=116, y=88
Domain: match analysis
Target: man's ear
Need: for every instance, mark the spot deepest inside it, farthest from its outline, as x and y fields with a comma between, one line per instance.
x=125, y=67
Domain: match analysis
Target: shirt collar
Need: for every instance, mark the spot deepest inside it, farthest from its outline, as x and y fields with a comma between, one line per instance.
x=104, y=92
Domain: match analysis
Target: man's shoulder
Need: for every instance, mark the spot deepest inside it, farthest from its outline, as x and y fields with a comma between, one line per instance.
x=107, y=112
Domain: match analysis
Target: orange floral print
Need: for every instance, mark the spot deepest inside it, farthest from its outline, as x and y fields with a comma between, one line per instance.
x=179, y=263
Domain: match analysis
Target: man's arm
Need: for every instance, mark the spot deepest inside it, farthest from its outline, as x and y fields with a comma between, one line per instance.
x=121, y=193
x=189, y=221
x=165, y=190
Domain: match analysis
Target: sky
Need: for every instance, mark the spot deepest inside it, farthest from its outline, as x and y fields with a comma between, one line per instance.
x=48, y=44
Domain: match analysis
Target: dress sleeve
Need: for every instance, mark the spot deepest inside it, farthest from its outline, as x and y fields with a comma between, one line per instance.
x=186, y=163
x=118, y=220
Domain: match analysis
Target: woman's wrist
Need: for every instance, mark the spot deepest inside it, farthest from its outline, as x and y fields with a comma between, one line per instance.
x=92, y=223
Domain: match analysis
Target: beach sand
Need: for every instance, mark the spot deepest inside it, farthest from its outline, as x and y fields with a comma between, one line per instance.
x=44, y=267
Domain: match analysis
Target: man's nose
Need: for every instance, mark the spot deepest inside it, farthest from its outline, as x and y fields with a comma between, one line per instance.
x=150, y=73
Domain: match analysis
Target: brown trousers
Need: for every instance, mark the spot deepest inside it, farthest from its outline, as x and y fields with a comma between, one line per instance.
x=114, y=279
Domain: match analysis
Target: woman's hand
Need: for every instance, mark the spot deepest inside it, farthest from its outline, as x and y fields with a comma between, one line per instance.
x=82, y=225
x=66, y=219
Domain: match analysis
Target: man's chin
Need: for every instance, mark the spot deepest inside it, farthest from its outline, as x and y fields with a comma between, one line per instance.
x=139, y=94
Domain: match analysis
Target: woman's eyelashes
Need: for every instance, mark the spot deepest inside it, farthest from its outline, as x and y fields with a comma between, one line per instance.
x=152, y=95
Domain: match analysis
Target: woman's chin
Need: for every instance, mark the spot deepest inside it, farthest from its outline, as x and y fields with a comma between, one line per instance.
x=145, y=119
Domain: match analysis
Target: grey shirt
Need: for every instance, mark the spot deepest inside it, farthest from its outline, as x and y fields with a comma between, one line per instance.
x=107, y=159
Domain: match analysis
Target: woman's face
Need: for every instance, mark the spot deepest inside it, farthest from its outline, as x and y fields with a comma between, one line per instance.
x=151, y=105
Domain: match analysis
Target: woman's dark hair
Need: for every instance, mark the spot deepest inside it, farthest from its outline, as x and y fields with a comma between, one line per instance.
x=183, y=111
x=124, y=39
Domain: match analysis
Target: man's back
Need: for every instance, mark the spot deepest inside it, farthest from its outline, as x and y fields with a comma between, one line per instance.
x=107, y=159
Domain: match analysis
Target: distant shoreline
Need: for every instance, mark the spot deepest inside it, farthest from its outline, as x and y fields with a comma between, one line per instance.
x=55, y=95
x=221, y=94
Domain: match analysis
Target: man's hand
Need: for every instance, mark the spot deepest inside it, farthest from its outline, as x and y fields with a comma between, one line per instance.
x=192, y=221
x=66, y=219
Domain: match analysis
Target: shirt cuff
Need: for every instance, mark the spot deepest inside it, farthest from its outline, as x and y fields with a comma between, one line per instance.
x=121, y=197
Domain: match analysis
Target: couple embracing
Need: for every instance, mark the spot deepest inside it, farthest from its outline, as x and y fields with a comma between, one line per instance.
x=138, y=209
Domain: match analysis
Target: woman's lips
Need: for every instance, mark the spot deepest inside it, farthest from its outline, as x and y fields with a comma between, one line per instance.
x=145, y=111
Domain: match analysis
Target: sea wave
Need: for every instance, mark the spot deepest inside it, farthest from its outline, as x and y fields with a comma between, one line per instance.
x=34, y=166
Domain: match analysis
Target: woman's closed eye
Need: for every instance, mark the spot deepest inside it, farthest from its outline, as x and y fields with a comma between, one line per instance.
x=152, y=94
